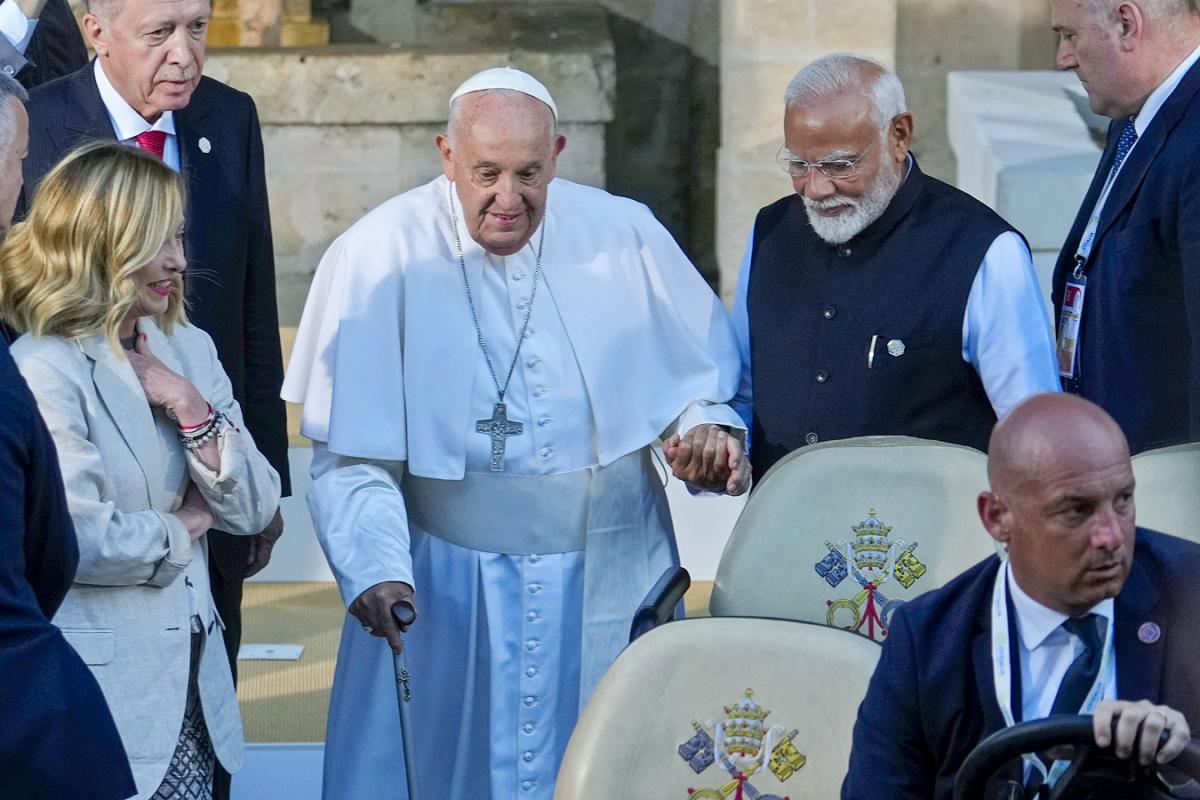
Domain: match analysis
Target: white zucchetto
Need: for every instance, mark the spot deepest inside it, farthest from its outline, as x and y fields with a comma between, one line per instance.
x=506, y=78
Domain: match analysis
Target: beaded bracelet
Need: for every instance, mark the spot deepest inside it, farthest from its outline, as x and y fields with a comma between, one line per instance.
x=217, y=423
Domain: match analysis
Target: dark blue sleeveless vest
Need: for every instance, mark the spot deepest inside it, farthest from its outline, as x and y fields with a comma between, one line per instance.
x=814, y=309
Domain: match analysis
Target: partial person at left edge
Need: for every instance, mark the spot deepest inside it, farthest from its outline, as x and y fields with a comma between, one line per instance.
x=153, y=450
x=54, y=714
x=145, y=89
x=39, y=41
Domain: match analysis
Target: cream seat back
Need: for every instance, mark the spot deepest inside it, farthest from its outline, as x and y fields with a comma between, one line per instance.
x=1168, y=490
x=693, y=704
x=843, y=533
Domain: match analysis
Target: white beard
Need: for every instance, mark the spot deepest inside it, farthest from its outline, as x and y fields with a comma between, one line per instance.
x=862, y=211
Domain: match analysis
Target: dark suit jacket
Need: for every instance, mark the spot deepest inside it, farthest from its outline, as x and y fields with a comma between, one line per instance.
x=57, y=738
x=56, y=48
x=1140, y=341
x=932, y=698
x=231, y=264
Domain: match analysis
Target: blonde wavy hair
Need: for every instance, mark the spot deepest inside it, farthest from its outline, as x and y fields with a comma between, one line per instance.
x=104, y=212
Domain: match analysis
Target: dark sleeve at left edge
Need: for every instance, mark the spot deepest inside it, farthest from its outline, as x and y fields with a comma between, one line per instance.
x=34, y=493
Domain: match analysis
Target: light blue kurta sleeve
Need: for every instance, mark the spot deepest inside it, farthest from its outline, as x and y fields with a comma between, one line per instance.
x=743, y=401
x=1006, y=329
x=361, y=520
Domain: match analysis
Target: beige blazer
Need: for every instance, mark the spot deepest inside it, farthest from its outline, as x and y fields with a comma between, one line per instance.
x=128, y=613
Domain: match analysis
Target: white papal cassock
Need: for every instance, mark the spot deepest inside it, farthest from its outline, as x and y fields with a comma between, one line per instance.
x=526, y=581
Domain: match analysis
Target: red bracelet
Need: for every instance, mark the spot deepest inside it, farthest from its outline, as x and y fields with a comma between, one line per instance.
x=207, y=420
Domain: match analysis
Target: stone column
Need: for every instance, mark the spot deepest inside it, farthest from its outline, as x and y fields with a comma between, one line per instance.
x=266, y=23
x=763, y=44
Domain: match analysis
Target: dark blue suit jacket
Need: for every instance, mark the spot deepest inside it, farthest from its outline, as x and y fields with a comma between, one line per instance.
x=57, y=738
x=231, y=263
x=1140, y=341
x=56, y=48
x=932, y=698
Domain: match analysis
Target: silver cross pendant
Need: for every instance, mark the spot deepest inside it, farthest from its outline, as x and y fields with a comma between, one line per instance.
x=499, y=428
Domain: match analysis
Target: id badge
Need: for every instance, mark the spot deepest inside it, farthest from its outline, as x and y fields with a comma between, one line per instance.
x=1068, y=326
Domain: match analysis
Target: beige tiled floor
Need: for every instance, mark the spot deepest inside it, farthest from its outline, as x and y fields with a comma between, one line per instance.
x=287, y=701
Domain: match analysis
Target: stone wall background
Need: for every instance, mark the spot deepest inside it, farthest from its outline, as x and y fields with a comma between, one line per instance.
x=935, y=37
x=687, y=118
x=698, y=99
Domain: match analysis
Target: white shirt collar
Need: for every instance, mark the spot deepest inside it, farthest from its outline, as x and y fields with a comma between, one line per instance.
x=1035, y=622
x=1159, y=96
x=128, y=123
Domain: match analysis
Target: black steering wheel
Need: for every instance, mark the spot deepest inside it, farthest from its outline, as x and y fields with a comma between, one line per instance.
x=1093, y=772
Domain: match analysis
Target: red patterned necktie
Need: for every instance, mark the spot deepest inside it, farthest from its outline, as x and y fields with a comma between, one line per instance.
x=152, y=142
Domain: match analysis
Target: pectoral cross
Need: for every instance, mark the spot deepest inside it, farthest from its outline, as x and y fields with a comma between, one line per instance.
x=499, y=428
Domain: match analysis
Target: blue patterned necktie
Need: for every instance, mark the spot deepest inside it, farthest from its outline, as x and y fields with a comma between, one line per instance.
x=1080, y=676
x=1125, y=143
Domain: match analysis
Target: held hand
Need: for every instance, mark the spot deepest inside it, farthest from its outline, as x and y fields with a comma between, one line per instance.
x=373, y=608
x=262, y=543
x=709, y=458
x=165, y=388
x=1140, y=724
x=194, y=513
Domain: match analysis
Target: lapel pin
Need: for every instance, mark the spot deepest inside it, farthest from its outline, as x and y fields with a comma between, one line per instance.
x=1149, y=633
x=205, y=145
x=895, y=348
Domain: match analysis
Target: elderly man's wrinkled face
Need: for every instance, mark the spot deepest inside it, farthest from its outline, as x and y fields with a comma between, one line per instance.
x=501, y=157
x=11, y=178
x=1089, y=44
x=1069, y=522
x=151, y=50
x=846, y=128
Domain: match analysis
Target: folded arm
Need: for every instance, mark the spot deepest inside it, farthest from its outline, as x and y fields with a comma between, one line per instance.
x=116, y=548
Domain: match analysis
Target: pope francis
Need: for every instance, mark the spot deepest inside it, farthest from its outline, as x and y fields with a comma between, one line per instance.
x=484, y=363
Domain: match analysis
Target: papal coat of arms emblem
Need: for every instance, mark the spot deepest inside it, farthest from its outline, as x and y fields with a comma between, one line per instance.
x=743, y=745
x=872, y=558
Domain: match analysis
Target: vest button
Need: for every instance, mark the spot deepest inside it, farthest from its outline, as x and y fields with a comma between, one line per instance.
x=811, y=438
x=822, y=376
x=830, y=312
x=845, y=252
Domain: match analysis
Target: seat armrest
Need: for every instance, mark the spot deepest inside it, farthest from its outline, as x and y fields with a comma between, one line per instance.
x=659, y=605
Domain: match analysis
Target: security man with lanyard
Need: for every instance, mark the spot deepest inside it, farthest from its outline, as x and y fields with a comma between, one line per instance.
x=1076, y=620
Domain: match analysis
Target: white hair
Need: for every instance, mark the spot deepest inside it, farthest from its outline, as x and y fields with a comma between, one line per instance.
x=105, y=9
x=9, y=87
x=1153, y=9
x=839, y=73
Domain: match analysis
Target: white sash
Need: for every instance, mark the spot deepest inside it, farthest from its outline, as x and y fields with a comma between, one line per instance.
x=617, y=514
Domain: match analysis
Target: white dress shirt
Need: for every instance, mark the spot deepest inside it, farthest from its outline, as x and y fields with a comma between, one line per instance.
x=1159, y=96
x=1006, y=328
x=1047, y=651
x=15, y=26
x=127, y=123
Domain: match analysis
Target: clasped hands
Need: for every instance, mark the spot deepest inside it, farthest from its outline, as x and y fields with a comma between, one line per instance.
x=710, y=458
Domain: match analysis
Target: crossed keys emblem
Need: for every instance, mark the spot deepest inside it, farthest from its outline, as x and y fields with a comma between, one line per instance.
x=745, y=748
x=872, y=558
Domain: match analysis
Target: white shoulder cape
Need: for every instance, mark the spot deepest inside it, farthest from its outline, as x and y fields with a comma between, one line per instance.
x=386, y=337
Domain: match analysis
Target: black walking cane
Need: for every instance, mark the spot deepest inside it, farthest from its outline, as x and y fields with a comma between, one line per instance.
x=405, y=614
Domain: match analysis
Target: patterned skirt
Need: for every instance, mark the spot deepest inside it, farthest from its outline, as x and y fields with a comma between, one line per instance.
x=190, y=773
